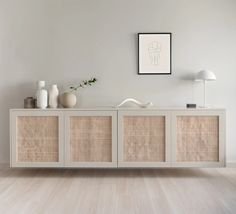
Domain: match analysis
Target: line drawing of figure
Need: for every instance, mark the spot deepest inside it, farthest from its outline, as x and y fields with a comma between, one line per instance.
x=154, y=50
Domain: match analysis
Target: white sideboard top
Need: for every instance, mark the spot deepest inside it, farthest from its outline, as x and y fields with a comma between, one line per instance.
x=107, y=108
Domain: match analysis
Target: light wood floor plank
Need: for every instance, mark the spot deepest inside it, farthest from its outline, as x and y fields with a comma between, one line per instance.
x=117, y=191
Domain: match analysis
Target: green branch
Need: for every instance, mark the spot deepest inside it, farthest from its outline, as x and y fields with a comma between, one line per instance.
x=83, y=84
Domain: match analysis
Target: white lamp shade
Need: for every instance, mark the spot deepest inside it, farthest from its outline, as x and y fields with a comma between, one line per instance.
x=205, y=75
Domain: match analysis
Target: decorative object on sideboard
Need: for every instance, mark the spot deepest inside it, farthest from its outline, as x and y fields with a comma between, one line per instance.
x=191, y=105
x=205, y=75
x=29, y=102
x=68, y=99
x=42, y=95
x=53, y=96
x=154, y=53
x=138, y=103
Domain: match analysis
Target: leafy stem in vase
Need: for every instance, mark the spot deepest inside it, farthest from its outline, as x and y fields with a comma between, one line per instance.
x=83, y=84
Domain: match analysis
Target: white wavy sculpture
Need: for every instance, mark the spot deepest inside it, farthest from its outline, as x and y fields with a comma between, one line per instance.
x=131, y=100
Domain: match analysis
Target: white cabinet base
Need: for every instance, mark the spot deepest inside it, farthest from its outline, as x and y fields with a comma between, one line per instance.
x=123, y=138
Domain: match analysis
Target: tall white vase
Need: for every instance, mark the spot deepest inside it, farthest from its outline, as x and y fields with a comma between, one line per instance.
x=53, y=96
x=42, y=95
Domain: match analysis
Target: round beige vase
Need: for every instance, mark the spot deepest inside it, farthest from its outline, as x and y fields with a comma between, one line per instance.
x=68, y=100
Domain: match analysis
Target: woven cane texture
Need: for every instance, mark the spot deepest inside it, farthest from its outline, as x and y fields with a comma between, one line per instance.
x=197, y=138
x=91, y=138
x=37, y=139
x=144, y=138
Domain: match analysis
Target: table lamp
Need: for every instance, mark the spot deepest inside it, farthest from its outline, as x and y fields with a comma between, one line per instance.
x=205, y=75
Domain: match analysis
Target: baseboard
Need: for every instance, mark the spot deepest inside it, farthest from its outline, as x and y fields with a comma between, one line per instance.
x=231, y=164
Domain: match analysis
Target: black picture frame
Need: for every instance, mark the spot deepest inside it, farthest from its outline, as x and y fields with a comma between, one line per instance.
x=169, y=34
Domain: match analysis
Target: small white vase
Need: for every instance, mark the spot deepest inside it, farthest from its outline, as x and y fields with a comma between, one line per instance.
x=53, y=96
x=42, y=95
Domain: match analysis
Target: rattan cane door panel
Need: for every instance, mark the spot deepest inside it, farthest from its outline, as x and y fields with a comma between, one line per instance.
x=144, y=138
x=90, y=138
x=197, y=138
x=37, y=139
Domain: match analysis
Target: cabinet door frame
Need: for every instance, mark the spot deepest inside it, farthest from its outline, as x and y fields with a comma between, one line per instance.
x=13, y=137
x=89, y=113
x=222, y=136
x=146, y=112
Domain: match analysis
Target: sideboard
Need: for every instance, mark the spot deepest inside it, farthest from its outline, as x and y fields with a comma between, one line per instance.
x=117, y=138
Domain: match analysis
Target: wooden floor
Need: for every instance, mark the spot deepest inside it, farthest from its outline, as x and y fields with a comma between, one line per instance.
x=117, y=191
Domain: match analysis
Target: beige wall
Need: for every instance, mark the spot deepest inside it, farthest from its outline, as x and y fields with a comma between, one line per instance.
x=65, y=41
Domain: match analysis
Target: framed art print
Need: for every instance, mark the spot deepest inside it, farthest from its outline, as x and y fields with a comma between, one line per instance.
x=154, y=53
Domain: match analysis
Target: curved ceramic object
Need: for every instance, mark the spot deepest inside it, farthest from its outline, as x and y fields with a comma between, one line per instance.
x=131, y=100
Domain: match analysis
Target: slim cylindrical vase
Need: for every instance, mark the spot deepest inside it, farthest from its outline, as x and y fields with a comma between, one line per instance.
x=53, y=96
